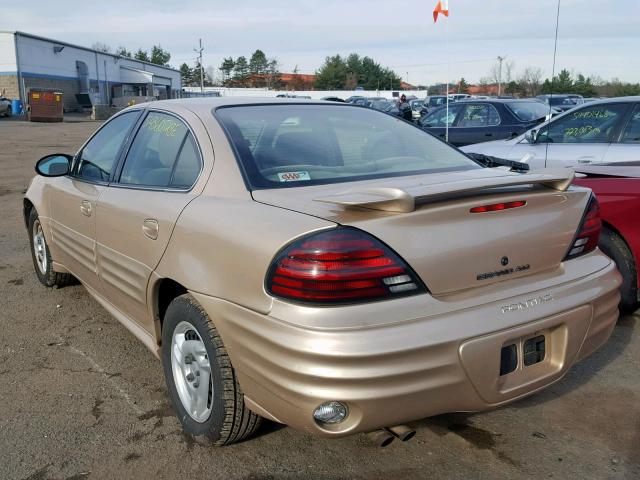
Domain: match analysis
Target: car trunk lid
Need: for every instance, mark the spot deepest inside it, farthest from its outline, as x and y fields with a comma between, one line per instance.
x=428, y=220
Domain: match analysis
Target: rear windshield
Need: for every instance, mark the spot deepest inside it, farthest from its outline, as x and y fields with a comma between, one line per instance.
x=529, y=111
x=293, y=145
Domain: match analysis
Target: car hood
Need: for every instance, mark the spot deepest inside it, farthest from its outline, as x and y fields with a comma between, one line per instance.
x=496, y=148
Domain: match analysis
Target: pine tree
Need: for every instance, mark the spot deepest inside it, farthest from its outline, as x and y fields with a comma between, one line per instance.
x=141, y=55
x=241, y=69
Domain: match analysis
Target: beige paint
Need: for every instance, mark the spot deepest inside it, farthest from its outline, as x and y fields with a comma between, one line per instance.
x=392, y=361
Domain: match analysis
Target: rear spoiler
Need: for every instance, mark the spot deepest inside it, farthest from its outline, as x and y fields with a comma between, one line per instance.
x=391, y=199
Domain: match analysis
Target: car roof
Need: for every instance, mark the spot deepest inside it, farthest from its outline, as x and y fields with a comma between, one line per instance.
x=499, y=100
x=203, y=106
x=614, y=100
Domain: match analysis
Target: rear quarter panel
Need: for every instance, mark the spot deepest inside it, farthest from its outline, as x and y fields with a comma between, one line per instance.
x=620, y=207
x=224, y=241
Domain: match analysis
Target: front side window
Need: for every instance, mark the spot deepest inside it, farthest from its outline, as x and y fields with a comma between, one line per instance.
x=441, y=118
x=479, y=115
x=593, y=124
x=163, y=154
x=631, y=132
x=99, y=155
x=293, y=145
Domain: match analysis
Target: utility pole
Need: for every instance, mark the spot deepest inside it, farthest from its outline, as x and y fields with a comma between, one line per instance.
x=500, y=60
x=199, y=52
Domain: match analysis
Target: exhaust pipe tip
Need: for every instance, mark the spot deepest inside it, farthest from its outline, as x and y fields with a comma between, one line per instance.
x=402, y=432
x=381, y=438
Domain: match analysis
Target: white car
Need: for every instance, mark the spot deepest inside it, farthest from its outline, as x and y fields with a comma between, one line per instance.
x=604, y=131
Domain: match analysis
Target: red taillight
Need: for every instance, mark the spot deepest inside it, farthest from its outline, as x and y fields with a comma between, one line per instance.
x=343, y=265
x=498, y=206
x=586, y=240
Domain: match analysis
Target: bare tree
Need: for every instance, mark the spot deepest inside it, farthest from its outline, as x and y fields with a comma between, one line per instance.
x=531, y=80
x=507, y=71
x=501, y=72
x=101, y=47
x=211, y=75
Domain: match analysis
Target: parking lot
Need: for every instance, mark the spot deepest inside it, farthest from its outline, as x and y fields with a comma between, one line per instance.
x=80, y=397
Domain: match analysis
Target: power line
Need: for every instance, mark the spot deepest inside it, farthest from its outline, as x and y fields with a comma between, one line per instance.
x=441, y=63
x=436, y=64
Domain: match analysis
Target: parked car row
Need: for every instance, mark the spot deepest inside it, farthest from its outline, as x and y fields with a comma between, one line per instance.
x=329, y=266
x=603, y=131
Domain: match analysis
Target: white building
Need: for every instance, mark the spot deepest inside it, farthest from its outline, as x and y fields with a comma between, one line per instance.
x=84, y=75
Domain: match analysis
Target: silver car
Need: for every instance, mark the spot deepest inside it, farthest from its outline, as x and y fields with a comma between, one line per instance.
x=603, y=131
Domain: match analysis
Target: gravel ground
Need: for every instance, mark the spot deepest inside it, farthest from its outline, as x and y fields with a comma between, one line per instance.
x=81, y=398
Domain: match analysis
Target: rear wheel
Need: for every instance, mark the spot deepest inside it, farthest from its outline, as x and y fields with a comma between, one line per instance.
x=616, y=248
x=42, y=260
x=200, y=378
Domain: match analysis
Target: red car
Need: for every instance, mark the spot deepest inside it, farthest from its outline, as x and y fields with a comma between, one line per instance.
x=618, y=191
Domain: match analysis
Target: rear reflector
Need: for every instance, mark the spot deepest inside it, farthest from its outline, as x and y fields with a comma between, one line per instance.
x=586, y=239
x=343, y=265
x=498, y=206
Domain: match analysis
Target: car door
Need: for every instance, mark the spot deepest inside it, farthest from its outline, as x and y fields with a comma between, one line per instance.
x=626, y=148
x=73, y=198
x=581, y=136
x=137, y=212
x=479, y=122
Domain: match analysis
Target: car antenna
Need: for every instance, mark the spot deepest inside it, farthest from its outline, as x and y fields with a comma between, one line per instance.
x=553, y=74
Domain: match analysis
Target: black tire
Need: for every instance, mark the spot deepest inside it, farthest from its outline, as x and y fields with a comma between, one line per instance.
x=615, y=247
x=230, y=420
x=47, y=276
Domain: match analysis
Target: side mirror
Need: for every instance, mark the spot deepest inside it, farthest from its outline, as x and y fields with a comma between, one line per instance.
x=531, y=136
x=56, y=165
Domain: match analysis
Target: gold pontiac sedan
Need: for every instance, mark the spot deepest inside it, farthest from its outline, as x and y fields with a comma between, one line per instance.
x=326, y=266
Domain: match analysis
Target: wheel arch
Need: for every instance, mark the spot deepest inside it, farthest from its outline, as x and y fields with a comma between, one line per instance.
x=27, y=206
x=612, y=228
x=635, y=259
x=164, y=291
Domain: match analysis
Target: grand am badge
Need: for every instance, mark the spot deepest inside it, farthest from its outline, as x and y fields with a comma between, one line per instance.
x=504, y=271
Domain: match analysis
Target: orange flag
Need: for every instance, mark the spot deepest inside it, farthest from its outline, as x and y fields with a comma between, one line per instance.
x=443, y=8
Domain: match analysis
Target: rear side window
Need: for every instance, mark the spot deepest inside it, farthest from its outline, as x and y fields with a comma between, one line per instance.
x=163, y=154
x=100, y=154
x=294, y=145
x=479, y=115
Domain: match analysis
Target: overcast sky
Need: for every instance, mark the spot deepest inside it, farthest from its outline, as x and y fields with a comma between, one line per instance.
x=596, y=37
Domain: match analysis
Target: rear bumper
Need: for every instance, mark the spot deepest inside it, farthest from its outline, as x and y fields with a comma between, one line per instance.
x=404, y=370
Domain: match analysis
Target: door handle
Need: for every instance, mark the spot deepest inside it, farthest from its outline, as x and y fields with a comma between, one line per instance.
x=586, y=159
x=150, y=228
x=488, y=134
x=85, y=208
